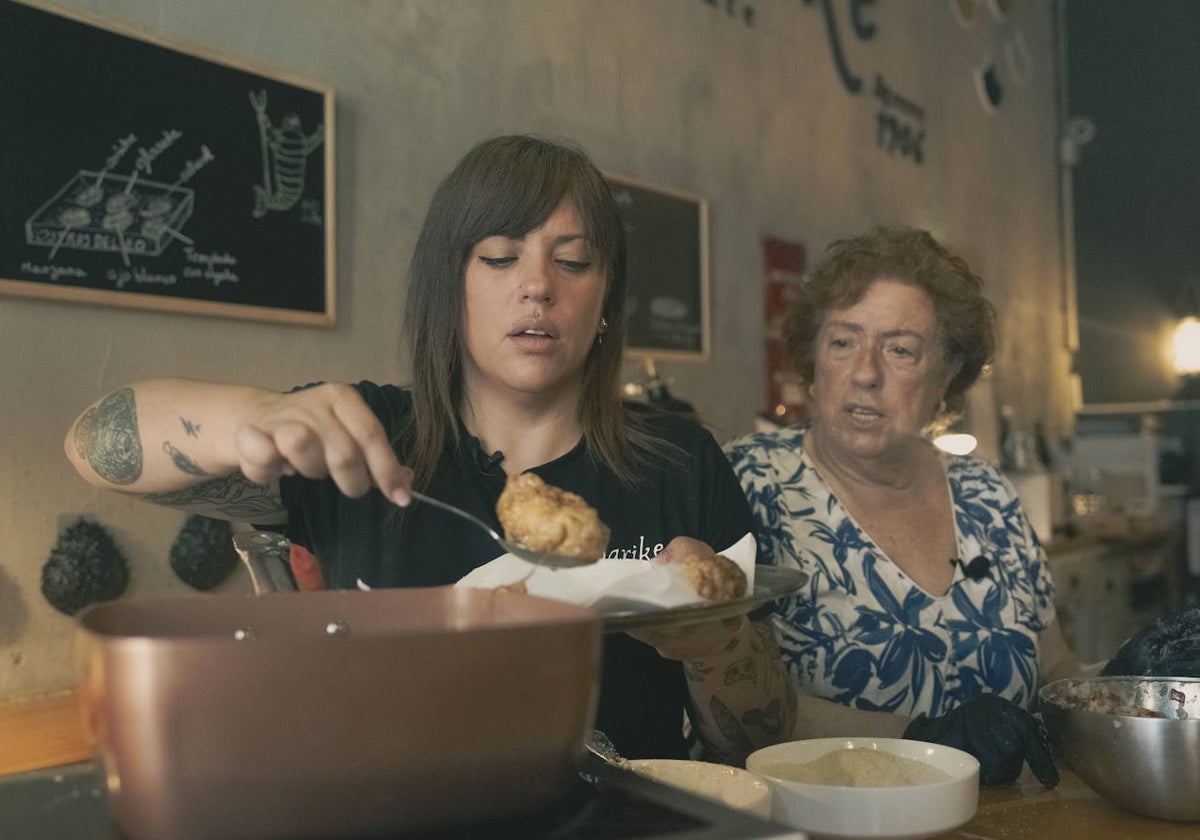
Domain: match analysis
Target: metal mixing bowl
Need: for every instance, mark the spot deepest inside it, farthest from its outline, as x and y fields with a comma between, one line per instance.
x=1133, y=740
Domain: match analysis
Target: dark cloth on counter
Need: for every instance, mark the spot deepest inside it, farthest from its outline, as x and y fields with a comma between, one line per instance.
x=1169, y=647
x=642, y=695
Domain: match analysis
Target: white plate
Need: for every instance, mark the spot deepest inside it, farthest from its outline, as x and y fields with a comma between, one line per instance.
x=731, y=786
x=770, y=583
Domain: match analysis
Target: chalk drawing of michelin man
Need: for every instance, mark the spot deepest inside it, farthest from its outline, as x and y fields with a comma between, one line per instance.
x=285, y=151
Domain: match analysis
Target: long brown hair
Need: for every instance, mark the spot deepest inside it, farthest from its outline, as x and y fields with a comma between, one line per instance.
x=508, y=186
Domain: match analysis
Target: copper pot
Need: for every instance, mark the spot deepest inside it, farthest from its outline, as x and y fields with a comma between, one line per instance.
x=339, y=713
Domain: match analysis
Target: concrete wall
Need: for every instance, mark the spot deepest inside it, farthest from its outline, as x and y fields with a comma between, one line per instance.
x=741, y=102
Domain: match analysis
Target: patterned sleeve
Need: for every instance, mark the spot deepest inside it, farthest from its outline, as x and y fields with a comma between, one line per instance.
x=757, y=478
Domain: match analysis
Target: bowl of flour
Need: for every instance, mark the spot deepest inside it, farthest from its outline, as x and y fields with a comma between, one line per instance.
x=852, y=788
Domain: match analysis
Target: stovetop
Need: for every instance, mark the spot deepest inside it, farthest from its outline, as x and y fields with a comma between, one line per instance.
x=608, y=803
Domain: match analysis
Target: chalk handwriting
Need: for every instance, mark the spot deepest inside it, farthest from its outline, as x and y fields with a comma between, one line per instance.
x=209, y=260
x=139, y=277
x=310, y=212
x=216, y=268
x=146, y=157
x=119, y=149
x=54, y=272
x=193, y=166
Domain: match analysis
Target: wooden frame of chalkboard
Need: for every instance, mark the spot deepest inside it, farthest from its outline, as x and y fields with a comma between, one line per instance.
x=144, y=172
x=666, y=233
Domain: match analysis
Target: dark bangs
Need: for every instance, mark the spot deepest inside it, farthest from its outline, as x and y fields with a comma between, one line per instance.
x=520, y=182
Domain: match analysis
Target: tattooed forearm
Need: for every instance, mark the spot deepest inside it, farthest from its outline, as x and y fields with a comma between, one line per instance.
x=741, y=670
x=731, y=729
x=740, y=737
x=190, y=429
x=769, y=721
x=107, y=437
x=697, y=670
x=764, y=638
x=743, y=698
x=182, y=461
x=232, y=495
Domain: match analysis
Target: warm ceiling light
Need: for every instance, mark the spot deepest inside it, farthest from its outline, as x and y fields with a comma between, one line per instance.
x=1186, y=344
x=957, y=443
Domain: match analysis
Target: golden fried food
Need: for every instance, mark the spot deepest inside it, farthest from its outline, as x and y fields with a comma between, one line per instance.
x=517, y=587
x=549, y=519
x=714, y=576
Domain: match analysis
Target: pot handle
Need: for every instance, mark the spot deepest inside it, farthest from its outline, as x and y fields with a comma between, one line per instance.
x=265, y=555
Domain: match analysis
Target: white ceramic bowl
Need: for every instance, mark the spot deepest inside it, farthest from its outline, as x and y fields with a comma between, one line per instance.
x=730, y=786
x=897, y=812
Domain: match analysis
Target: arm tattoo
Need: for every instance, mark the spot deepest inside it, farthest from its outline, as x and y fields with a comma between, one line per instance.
x=233, y=495
x=764, y=636
x=107, y=437
x=182, y=461
x=770, y=720
x=741, y=670
x=727, y=724
x=190, y=428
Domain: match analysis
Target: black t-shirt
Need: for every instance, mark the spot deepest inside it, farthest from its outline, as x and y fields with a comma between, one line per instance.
x=642, y=695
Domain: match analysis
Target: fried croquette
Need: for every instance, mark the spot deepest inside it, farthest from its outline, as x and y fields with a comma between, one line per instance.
x=714, y=576
x=548, y=519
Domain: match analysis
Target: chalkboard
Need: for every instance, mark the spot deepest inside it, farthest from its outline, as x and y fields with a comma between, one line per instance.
x=140, y=173
x=667, y=238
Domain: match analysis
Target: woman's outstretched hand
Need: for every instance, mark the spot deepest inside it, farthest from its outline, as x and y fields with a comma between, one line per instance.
x=324, y=431
x=998, y=732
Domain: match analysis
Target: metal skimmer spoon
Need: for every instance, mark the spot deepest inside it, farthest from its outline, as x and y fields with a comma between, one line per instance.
x=601, y=745
x=539, y=558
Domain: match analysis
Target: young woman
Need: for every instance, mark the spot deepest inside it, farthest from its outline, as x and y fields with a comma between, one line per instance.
x=514, y=322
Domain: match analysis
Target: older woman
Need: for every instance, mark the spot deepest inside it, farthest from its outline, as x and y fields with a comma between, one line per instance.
x=929, y=610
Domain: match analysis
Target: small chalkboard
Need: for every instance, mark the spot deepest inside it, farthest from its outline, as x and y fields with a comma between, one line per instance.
x=140, y=173
x=667, y=239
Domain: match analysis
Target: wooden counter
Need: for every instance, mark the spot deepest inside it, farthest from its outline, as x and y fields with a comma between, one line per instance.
x=46, y=732
x=42, y=731
x=1070, y=811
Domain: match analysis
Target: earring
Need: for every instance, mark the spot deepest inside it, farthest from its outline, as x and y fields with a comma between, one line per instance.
x=603, y=330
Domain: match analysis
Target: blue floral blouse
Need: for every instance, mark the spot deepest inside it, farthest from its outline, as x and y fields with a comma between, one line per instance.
x=861, y=632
